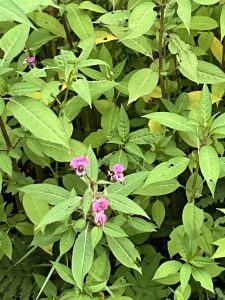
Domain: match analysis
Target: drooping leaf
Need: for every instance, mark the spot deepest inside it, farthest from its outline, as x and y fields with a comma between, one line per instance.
x=193, y=218
x=184, y=12
x=158, y=212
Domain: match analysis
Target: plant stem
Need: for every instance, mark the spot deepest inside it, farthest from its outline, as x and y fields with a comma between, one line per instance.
x=68, y=32
x=8, y=144
x=161, y=48
x=195, y=183
x=223, y=56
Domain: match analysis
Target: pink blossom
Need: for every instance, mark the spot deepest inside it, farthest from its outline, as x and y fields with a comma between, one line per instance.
x=31, y=61
x=118, y=168
x=79, y=164
x=100, y=205
x=100, y=218
x=117, y=174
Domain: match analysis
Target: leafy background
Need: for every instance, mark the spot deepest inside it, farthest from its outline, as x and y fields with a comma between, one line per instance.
x=136, y=82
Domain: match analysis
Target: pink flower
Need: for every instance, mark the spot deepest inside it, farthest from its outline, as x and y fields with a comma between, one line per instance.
x=79, y=164
x=117, y=174
x=100, y=218
x=31, y=61
x=100, y=205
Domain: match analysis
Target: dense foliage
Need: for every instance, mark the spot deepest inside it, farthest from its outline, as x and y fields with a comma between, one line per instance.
x=112, y=164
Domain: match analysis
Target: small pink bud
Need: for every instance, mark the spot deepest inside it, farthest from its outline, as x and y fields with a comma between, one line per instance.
x=118, y=168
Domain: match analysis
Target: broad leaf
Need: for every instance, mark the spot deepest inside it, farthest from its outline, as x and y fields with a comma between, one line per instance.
x=39, y=119
x=193, y=218
x=82, y=257
x=210, y=166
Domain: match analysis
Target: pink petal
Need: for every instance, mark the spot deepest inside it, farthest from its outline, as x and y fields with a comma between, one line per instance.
x=118, y=168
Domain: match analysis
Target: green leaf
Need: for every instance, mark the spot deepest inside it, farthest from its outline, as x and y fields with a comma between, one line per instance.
x=49, y=288
x=141, y=225
x=185, y=274
x=132, y=182
x=82, y=257
x=11, y=11
x=209, y=166
x=206, y=73
x=124, y=251
x=13, y=42
x=65, y=273
x=81, y=87
x=220, y=252
x=67, y=241
x=50, y=23
x=92, y=7
x=142, y=83
x=6, y=163
x=92, y=168
x=61, y=211
x=206, y=2
x=96, y=235
x=39, y=119
x=116, y=17
x=171, y=120
x=158, y=188
x=205, y=105
x=125, y=205
x=80, y=22
x=34, y=209
x=203, y=23
x=201, y=275
x=218, y=122
x=49, y=193
x=167, y=269
x=222, y=22
x=167, y=170
x=143, y=137
x=184, y=12
x=113, y=230
x=158, y=212
x=123, y=124
x=141, y=20
x=193, y=218
x=5, y=245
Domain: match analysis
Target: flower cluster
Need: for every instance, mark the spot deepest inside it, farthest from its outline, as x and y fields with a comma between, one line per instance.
x=79, y=164
x=117, y=174
x=98, y=208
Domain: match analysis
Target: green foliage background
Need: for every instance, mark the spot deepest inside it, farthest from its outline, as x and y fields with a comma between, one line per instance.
x=135, y=82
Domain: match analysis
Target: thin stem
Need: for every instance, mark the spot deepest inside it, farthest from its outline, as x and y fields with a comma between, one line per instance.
x=195, y=183
x=161, y=49
x=223, y=56
x=8, y=144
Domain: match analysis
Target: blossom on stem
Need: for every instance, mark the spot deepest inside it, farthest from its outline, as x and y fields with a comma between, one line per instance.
x=79, y=164
x=117, y=174
x=31, y=61
x=100, y=205
x=100, y=218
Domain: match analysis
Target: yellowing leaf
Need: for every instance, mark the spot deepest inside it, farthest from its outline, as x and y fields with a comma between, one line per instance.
x=218, y=89
x=47, y=248
x=194, y=99
x=156, y=93
x=35, y=95
x=104, y=37
x=154, y=126
x=217, y=49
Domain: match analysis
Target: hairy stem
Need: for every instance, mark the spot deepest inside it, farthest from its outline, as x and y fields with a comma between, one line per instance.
x=161, y=48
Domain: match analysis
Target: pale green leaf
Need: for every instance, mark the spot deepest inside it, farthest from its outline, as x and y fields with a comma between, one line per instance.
x=67, y=241
x=142, y=83
x=39, y=119
x=5, y=163
x=35, y=210
x=193, y=218
x=167, y=269
x=184, y=12
x=203, y=23
x=158, y=188
x=203, y=276
x=81, y=87
x=82, y=257
x=171, y=120
x=185, y=274
x=13, y=42
x=209, y=166
x=222, y=22
x=125, y=205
